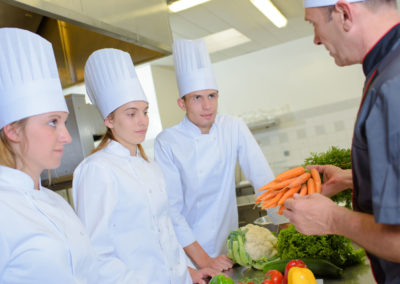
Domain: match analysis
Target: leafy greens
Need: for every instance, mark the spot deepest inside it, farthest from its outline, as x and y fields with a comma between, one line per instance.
x=337, y=249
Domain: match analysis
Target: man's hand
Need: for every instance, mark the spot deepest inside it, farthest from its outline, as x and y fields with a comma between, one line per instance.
x=311, y=214
x=220, y=263
x=199, y=276
x=335, y=179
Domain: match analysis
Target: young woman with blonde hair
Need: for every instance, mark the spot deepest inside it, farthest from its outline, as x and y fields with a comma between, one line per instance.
x=41, y=238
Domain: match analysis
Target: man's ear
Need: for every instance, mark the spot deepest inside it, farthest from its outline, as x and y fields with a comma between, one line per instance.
x=181, y=104
x=346, y=14
x=13, y=133
x=108, y=121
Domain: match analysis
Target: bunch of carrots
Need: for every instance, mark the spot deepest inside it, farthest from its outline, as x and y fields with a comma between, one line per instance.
x=286, y=184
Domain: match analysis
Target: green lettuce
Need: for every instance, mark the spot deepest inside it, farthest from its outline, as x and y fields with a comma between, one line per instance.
x=337, y=249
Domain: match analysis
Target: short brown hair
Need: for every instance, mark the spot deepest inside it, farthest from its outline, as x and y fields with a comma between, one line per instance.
x=369, y=3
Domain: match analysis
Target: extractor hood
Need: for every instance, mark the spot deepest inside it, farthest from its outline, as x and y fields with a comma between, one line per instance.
x=75, y=34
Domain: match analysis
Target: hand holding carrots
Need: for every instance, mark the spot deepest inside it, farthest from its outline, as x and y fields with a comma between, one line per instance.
x=335, y=179
x=312, y=214
x=286, y=184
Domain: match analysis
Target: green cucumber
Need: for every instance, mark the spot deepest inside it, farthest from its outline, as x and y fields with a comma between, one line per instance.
x=323, y=267
x=279, y=265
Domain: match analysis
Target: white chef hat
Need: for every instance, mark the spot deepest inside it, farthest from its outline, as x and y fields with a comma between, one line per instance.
x=321, y=3
x=29, y=82
x=111, y=80
x=193, y=66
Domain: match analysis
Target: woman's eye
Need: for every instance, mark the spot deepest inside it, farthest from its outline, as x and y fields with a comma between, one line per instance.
x=53, y=122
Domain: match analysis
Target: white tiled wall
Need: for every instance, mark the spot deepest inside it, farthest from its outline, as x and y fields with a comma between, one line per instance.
x=313, y=130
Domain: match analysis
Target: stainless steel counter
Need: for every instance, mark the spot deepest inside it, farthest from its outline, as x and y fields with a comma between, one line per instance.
x=359, y=274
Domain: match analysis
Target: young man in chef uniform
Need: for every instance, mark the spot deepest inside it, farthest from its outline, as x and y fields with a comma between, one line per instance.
x=368, y=33
x=198, y=158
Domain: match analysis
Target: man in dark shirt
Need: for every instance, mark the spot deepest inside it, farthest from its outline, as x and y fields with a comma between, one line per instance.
x=365, y=32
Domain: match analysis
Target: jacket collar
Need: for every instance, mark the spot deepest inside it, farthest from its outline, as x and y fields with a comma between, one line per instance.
x=17, y=179
x=379, y=51
x=193, y=130
x=118, y=149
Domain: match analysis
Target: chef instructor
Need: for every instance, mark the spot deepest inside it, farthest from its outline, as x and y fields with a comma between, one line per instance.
x=198, y=158
x=365, y=32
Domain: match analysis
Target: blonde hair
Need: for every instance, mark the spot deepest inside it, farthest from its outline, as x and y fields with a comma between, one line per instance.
x=8, y=157
x=105, y=140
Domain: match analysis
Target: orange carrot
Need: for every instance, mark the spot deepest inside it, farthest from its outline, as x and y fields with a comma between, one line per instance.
x=303, y=190
x=288, y=194
x=272, y=205
x=266, y=195
x=280, y=211
x=278, y=185
x=267, y=185
x=290, y=174
x=299, y=180
x=274, y=200
x=261, y=196
x=311, y=186
x=317, y=180
x=270, y=195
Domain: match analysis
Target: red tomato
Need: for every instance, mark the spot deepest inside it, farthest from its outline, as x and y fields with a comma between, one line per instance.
x=268, y=281
x=275, y=275
x=292, y=263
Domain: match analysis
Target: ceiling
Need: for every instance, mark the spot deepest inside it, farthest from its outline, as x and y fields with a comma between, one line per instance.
x=218, y=15
x=72, y=44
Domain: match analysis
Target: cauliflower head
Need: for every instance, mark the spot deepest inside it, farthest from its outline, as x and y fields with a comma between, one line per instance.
x=260, y=242
x=251, y=245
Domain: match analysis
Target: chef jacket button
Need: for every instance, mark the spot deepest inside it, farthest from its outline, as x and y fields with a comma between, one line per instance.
x=82, y=233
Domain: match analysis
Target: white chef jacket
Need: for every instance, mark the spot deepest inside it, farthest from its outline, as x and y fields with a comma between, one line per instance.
x=122, y=201
x=199, y=170
x=41, y=239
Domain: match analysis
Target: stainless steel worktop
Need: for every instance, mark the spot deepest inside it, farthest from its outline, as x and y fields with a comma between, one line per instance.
x=358, y=274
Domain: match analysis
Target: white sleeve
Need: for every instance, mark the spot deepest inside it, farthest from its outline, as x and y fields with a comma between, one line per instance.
x=255, y=167
x=5, y=253
x=251, y=159
x=171, y=174
x=95, y=198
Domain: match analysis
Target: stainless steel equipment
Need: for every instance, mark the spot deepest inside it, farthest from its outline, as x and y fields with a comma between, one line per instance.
x=76, y=28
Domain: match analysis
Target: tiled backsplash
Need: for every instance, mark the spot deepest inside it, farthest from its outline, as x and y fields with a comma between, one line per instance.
x=312, y=130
